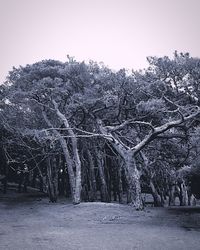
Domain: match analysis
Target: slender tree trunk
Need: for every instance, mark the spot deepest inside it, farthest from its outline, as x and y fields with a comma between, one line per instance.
x=172, y=195
x=92, y=178
x=163, y=198
x=33, y=178
x=5, y=185
x=69, y=165
x=156, y=197
x=52, y=176
x=77, y=191
x=76, y=158
x=114, y=182
x=74, y=176
x=192, y=200
x=104, y=188
x=5, y=181
x=120, y=188
x=42, y=184
x=184, y=194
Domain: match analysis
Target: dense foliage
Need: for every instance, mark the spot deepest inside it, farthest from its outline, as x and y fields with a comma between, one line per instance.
x=84, y=131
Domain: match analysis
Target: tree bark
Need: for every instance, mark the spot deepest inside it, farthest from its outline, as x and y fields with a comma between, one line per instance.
x=52, y=177
x=156, y=197
x=172, y=195
x=104, y=189
x=183, y=194
x=120, y=188
x=76, y=158
x=72, y=178
x=92, y=178
x=133, y=179
x=128, y=155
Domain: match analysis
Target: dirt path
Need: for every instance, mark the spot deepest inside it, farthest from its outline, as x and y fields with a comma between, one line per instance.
x=31, y=222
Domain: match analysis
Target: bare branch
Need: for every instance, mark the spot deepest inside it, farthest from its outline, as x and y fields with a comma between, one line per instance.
x=171, y=136
x=128, y=122
x=178, y=107
x=159, y=130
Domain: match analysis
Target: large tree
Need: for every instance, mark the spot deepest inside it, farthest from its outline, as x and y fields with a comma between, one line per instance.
x=62, y=102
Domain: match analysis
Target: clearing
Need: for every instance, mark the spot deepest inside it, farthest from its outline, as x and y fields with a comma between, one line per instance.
x=29, y=221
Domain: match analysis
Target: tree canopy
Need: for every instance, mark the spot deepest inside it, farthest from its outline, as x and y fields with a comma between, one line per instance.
x=103, y=131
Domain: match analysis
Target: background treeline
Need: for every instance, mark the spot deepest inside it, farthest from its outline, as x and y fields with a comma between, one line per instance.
x=86, y=132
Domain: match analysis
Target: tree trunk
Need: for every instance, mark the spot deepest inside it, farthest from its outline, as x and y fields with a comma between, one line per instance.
x=77, y=191
x=42, y=184
x=133, y=178
x=5, y=181
x=117, y=182
x=191, y=198
x=76, y=158
x=69, y=166
x=33, y=177
x=5, y=184
x=184, y=194
x=128, y=155
x=172, y=195
x=52, y=176
x=104, y=188
x=120, y=188
x=92, y=178
x=74, y=176
x=156, y=197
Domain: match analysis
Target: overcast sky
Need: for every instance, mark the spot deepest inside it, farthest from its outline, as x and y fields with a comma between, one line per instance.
x=121, y=33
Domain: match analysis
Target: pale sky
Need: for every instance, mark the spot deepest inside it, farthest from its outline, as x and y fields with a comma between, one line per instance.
x=121, y=33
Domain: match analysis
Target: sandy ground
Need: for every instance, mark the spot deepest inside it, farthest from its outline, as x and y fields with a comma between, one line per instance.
x=31, y=222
